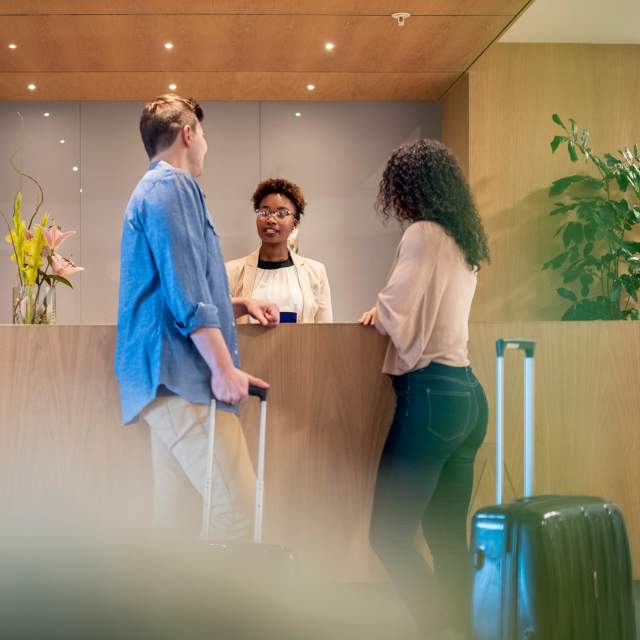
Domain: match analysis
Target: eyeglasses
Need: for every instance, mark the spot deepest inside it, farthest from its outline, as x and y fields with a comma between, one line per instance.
x=280, y=214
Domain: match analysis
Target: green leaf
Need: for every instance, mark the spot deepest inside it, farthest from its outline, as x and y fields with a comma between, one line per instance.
x=623, y=181
x=629, y=286
x=61, y=280
x=567, y=294
x=564, y=208
x=556, y=118
x=557, y=141
x=572, y=234
x=557, y=262
x=632, y=247
x=588, y=248
x=601, y=166
x=593, y=183
x=561, y=185
x=612, y=161
x=586, y=279
x=590, y=232
x=571, y=313
x=572, y=151
x=585, y=138
x=571, y=276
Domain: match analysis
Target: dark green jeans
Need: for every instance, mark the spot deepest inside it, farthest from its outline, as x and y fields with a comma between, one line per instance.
x=426, y=477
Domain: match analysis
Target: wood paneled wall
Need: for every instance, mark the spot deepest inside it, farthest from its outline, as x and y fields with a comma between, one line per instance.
x=329, y=411
x=455, y=121
x=513, y=91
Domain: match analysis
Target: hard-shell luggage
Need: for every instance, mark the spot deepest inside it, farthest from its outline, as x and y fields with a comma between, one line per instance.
x=548, y=567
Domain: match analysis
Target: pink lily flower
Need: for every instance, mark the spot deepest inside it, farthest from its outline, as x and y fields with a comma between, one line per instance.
x=63, y=266
x=55, y=236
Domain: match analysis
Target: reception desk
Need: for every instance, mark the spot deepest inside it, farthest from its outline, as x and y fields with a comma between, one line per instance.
x=329, y=411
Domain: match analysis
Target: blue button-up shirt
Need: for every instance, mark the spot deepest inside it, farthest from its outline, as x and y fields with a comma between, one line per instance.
x=172, y=281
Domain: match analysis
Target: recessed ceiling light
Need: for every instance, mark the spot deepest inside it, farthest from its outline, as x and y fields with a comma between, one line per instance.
x=168, y=45
x=311, y=87
x=31, y=87
x=13, y=45
x=173, y=87
x=46, y=114
x=62, y=141
x=80, y=190
x=329, y=46
x=298, y=114
x=76, y=169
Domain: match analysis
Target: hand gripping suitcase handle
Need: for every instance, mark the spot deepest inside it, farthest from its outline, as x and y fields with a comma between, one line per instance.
x=258, y=392
x=528, y=346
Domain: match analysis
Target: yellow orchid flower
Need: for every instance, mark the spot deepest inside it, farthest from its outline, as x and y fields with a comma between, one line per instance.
x=17, y=233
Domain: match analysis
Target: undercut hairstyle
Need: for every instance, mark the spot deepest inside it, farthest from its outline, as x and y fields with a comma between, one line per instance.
x=163, y=118
x=283, y=187
x=423, y=181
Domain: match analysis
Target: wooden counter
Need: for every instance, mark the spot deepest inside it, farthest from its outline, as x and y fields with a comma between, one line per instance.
x=60, y=432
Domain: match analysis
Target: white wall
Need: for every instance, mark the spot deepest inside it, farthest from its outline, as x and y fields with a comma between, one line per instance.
x=335, y=151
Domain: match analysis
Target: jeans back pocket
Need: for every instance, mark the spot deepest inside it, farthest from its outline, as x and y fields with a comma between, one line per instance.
x=448, y=413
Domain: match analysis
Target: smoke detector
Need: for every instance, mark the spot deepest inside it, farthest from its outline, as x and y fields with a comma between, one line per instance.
x=401, y=17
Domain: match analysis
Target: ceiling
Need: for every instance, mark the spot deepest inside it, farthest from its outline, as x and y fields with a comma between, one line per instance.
x=243, y=50
x=586, y=21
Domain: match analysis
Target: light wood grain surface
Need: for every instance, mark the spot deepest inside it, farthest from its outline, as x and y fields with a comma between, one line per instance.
x=243, y=51
x=328, y=415
x=294, y=7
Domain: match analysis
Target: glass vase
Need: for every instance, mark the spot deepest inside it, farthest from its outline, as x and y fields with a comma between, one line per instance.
x=33, y=304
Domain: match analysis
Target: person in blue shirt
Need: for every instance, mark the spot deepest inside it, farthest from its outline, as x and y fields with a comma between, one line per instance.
x=177, y=346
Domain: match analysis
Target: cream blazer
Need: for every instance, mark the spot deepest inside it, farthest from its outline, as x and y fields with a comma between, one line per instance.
x=312, y=275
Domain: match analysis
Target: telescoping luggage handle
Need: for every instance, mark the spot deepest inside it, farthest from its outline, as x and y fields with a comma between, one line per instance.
x=208, y=485
x=528, y=346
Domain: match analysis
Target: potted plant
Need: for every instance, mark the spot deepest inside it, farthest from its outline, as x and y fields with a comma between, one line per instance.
x=600, y=265
x=40, y=266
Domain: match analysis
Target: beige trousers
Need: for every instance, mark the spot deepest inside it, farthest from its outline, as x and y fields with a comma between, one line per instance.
x=180, y=465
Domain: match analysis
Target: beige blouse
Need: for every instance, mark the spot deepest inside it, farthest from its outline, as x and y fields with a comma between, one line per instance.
x=311, y=275
x=424, y=307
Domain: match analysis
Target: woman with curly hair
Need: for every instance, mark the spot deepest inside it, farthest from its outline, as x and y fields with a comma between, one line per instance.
x=296, y=284
x=426, y=470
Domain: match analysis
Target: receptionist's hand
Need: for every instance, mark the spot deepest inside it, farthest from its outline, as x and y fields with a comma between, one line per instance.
x=266, y=313
x=368, y=318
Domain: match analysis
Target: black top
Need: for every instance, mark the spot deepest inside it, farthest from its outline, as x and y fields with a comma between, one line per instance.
x=278, y=264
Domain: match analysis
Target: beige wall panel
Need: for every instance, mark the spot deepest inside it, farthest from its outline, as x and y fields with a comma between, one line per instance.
x=514, y=90
x=328, y=415
x=329, y=151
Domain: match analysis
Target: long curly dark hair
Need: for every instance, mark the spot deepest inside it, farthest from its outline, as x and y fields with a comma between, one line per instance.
x=423, y=181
